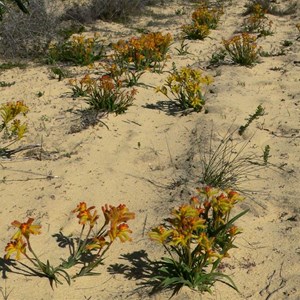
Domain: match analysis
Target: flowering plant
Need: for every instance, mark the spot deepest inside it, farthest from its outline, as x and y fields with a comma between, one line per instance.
x=258, y=22
x=12, y=129
x=20, y=243
x=203, y=19
x=123, y=74
x=145, y=52
x=78, y=50
x=87, y=250
x=186, y=86
x=103, y=94
x=207, y=16
x=242, y=49
x=196, y=31
x=93, y=244
x=197, y=238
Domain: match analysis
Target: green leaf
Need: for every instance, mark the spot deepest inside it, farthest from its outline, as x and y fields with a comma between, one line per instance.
x=230, y=222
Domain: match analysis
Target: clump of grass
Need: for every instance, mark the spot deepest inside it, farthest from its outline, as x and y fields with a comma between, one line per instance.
x=11, y=65
x=228, y=163
x=183, y=48
x=218, y=57
x=74, y=28
x=258, y=113
x=287, y=43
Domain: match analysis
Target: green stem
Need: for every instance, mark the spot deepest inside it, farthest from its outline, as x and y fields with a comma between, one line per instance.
x=39, y=263
x=79, y=241
x=189, y=254
x=80, y=249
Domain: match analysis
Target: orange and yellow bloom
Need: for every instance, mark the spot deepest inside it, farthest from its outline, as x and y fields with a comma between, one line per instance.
x=15, y=246
x=25, y=229
x=85, y=215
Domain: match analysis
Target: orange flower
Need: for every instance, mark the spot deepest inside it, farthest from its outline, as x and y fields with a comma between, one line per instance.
x=25, y=229
x=85, y=215
x=117, y=215
x=234, y=230
x=18, y=246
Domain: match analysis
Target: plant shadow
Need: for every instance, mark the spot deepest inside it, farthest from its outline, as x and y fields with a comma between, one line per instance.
x=140, y=268
x=87, y=118
x=171, y=108
x=64, y=241
x=11, y=266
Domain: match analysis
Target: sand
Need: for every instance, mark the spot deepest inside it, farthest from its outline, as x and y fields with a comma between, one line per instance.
x=150, y=160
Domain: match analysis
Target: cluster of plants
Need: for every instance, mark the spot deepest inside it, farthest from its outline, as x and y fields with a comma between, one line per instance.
x=86, y=251
x=102, y=94
x=197, y=237
x=79, y=50
x=258, y=22
x=187, y=86
x=242, y=49
x=12, y=129
x=149, y=51
x=203, y=20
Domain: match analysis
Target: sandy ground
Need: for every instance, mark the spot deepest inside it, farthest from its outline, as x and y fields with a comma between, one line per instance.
x=150, y=160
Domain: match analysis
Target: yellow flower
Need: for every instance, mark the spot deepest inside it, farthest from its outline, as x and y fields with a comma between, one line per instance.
x=159, y=234
x=122, y=232
x=179, y=239
x=25, y=229
x=18, y=129
x=16, y=246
